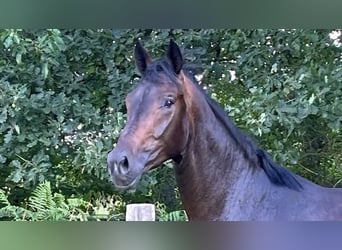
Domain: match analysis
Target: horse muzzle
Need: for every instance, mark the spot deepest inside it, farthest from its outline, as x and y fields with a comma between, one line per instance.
x=125, y=172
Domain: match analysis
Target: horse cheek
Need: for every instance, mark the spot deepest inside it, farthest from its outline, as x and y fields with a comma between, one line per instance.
x=160, y=126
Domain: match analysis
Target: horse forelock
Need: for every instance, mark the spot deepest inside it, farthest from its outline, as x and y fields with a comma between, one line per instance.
x=159, y=71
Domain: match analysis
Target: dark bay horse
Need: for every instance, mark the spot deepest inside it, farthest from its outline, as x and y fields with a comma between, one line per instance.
x=221, y=173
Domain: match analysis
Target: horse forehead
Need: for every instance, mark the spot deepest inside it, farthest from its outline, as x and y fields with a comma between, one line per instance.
x=147, y=89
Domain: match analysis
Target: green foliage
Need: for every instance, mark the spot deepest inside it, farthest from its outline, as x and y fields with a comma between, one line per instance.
x=163, y=215
x=44, y=205
x=9, y=211
x=62, y=107
x=287, y=92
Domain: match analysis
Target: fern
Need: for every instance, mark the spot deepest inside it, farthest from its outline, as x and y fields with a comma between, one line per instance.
x=178, y=215
x=45, y=205
x=3, y=198
x=163, y=215
x=48, y=206
x=8, y=211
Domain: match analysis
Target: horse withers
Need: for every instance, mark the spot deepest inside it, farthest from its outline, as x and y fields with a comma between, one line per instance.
x=221, y=173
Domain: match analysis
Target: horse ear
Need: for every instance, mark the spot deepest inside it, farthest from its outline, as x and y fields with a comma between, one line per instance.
x=175, y=56
x=142, y=59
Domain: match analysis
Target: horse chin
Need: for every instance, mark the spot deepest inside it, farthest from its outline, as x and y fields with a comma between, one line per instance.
x=129, y=186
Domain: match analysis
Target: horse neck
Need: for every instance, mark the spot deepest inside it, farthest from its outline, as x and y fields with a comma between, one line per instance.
x=212, y=166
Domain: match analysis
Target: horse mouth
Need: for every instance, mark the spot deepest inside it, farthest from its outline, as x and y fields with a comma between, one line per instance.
x=124, y=185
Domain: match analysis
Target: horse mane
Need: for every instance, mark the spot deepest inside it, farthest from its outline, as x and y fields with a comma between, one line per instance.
x=277, y=174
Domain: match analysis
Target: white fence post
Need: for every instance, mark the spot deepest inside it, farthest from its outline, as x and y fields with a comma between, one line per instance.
x=140, y=212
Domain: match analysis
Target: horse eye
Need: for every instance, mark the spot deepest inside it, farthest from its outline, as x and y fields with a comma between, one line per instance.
x=168, y=103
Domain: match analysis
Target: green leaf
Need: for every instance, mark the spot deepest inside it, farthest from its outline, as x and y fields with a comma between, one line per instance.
x=99, y=145
x=3, y=116
x=2, y=159
x=45, y=70
x=312, y=99
x=8, y=136
x=288, y=109
x=8, y=42
x=16, y=128
x=16, y=38
x=18, y=58
x=17, y=176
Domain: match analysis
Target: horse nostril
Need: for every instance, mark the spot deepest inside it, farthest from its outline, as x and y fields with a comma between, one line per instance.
x=123, y=165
